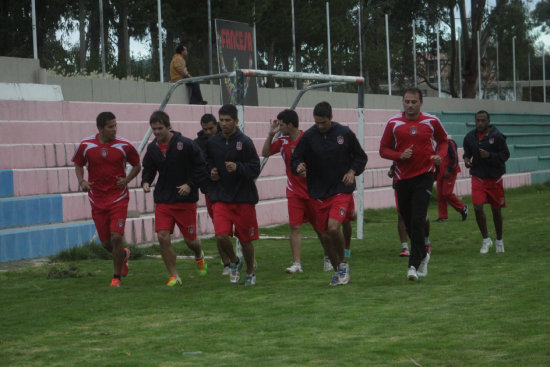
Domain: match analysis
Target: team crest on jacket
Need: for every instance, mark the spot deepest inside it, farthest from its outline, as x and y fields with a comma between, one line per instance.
x=251, y=232
x=180, y=145
x=120, y=223
x=191, y=230
x=239, y=145
x=412, y=130
x=342, y=212
x=104, y=152
x=340, y=139
x=491, y=140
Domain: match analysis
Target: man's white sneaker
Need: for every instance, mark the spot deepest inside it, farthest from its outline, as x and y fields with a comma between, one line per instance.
x=343, y=273
x=327, y=266
x=499, y=246
x=294, y=268
x=411, y=274
x=423, y=267
x=485, y=245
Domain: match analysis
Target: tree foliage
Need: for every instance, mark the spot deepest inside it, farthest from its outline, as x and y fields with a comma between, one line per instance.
x=185, y=21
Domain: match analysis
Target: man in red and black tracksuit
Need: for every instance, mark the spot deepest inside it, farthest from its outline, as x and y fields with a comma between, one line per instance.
x=329, y=156
x=407, y=140
x=446, y=179
x=182, y=170
x=209, y=128
x=233, y=164
x=485, y=154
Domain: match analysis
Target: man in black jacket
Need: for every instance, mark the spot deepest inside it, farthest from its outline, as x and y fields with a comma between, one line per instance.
x=233, y=164
x=329, y=156
x=209, y=128
x=182, y=169
x=485, y=154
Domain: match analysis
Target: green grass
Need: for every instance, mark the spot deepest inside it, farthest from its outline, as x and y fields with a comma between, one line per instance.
x=471, y=310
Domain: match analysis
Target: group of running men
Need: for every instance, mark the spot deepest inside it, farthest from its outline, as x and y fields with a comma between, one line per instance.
x=321, y=165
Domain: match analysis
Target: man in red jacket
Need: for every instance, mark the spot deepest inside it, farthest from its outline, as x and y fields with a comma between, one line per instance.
x=407, y=140
x=446, y=178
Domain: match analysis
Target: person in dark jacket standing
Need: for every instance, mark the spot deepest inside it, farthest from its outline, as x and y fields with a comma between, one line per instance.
x=447, y=172
x=233, y=164
x=182, y=170
x=329, y=156
x=209, y=128
x=485, y=154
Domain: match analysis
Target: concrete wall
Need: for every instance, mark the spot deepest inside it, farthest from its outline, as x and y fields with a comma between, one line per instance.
x=16, y=70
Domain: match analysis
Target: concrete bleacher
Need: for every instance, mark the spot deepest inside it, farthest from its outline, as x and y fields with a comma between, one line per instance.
x=527, y=136
x=42, y=210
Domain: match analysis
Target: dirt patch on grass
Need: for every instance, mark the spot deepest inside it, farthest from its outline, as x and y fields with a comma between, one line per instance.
x=21, y=264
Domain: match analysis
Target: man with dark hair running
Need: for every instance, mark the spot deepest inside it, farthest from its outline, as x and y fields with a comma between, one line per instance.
x=105, y=155
x=299, y=202
x=329, y=156
x=209, y=128
x=181, y=170
x=407, y=140
x=485, y=154
x=233, y=164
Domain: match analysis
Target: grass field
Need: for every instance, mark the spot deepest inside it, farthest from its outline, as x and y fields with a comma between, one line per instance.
x=471, y=310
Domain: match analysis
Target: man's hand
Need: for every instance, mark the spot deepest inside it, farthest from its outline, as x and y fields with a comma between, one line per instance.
x=121, y=182
x=349, y=178
x=437, y=159
x=468, y=162
x=301, y=170
x=273, y=127
x=483, y=153
x=85, y=185
x=146, y=187
x=230, y=166
x=407, y=153
x=214, y=175
x=184, y=189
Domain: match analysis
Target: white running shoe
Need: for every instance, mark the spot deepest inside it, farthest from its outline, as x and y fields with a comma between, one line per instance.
x=226, y=270
x=327, y=266
x=485, y=245
x=423, y=267
x=499, y=246
x=343, y=273
x=411, y=274
x=294, y=268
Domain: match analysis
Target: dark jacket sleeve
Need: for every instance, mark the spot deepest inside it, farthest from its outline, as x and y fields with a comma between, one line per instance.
x=149, y=170
x=298, y=156
x=359, y=156
x=199, y=174
x=502, y=152
x=466, y=146
x=250, y=168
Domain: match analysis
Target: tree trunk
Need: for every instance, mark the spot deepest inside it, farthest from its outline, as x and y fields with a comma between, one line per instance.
x=155, y=75
x=94, y=62
x=300, y=83
x=126, y=66
x=454, y=58
x=168, y=51
x=82, y=33
x=270, y=83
